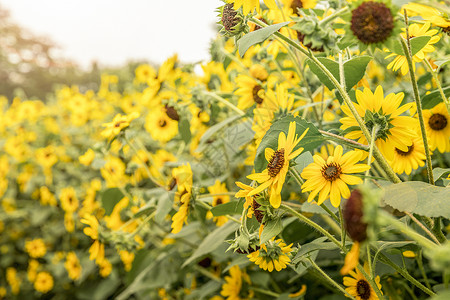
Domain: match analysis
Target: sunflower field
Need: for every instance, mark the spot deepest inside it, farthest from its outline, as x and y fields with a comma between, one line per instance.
x=307, y=158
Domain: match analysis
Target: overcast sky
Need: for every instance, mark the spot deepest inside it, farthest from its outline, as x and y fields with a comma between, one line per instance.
x=114, y=31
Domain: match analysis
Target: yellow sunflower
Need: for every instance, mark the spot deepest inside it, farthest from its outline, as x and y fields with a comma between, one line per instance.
x=358, y=286
x=73, y=266
x=250, y=91
x=43, y=282
x=218, y=188
x=430, y=14
x=437, y=125
x=331, y=178
x=232, y=288
x=406, y=161
x=395, y=131
x=249, y=5
x=160, y=126
x=183, y=178
x=246, y=189
x=415, y=30
x=117, y=125
x=97, y=249
x=299, y=4
x=274, y=175
x=272, y=255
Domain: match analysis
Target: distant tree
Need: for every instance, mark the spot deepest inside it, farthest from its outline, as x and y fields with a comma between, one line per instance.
x=29, y=65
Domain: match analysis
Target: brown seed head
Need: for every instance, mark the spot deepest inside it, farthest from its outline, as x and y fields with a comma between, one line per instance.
x=372, y=22
x=353, y=217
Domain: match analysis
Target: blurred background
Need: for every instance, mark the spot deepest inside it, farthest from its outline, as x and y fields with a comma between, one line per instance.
x=47, y=43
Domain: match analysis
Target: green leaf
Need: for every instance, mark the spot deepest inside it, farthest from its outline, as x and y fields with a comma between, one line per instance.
x=310, y=141
x=442, y=295
x=271, y=228
x=204, y=291
x=257, y=36
x=163, y=208
x=110, y=198
x=229, y=208
x=302, y=161
x=312, y=207
x=438, y=173
x=317, y=244
x=417, y=43
x=212, y=241
x=420, y=198
x=185, y=130
x=434, y=98
x=354, y=70
x=213, y=129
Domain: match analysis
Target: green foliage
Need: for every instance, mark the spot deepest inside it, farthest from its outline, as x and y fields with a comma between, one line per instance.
x=419, y=198
x=310, y=141
x=258, y=36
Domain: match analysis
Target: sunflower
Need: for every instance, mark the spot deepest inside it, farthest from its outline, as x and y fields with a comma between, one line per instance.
x=358, y=286
x=437, y=125
x=160, y=126
x=246, y=189
x=430, y=14
x=97, y=249
x=394, y=131
x=250, y=91
x=183, y=178
x=218, y=188
x=274, y=175
x=117, y=125
x=329, y=178
x=272, y=255
x=73, y=266
x=249, y=5
x=36, y=248
x=411, y=159
x=232, y=289
x=69, y=200
x=415, y=30
x=299, y=4
x=43, y=282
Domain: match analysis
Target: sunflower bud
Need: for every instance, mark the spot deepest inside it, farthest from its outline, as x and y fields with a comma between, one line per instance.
x=244, y=243
x=232, y=21
x=314, y=35
x=353, y=217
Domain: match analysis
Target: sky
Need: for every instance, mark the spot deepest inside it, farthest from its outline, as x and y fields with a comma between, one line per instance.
x=113, y=32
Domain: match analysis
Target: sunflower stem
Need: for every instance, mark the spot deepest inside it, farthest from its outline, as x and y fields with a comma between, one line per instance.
x=384, y=259
x=372, y=143
x=343, y=140
x=343, y=232
x=312, y=224
x=333, y=16
x=371, y=281
x=424, y=228
x=330, y=280
x=438, y=84
x=325, y=208
x=408, y=54
x=266, y=292
x=225, y=102
x=341, y=71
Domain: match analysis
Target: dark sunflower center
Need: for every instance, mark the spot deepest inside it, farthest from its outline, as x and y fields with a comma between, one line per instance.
x=372, y=22
x=256, y=97
x=276, y=163
x=363, y=289
x=296, y=4
x=438, y=122
x=229, y=16
x=331, y=171
x=403, y=153
x=219, y=201
x=172, y=113
x=258, y=214
x=162, y=123
x=118, y=123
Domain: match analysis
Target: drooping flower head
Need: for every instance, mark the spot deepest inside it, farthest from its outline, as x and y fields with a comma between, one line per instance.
x=274, y=175
x=272, y=255
x=394, y=130
x=331, y=177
